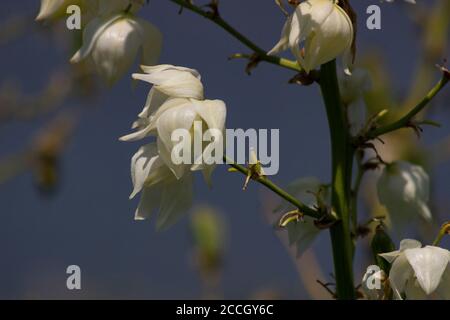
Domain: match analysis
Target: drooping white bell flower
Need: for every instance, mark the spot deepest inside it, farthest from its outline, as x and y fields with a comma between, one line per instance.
x=352, y=88
x=316, y=33
x=174, y=103
x=303, y=233
x=404, y=188
x=112, y=44
x=419, y=273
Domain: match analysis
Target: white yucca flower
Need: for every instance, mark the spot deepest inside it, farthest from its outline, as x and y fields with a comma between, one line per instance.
x=352, y=88
x=316, y=33
x=112, y=43
x=419, y=273
x=404, y=189
x=175, y=102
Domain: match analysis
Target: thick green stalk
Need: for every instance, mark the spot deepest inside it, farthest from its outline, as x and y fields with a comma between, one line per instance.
x=342, y=160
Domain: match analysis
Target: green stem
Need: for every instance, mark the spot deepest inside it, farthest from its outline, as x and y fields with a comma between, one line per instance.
x=262, y=54
x=355, y=191
x=405, y=121
x=304, y=209
x=445, y=229
x=342, y=160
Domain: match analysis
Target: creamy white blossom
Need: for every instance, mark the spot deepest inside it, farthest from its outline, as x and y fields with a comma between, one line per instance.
x=419, y=273
x=316, y=33
x=175, y=101
x=352, y=88
x=404, y=189
x=112, y=43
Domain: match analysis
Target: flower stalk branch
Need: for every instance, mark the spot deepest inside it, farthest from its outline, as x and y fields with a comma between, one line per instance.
x=217, y=19
x=407, y=120
x=304, y=209
x=445, y=229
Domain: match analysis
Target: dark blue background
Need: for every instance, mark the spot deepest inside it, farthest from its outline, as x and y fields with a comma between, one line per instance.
x=90, y=220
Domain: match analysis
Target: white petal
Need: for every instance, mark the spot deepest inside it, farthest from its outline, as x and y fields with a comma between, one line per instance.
x=152, y=120
x=332, y=38
x=400, y=273
x=213, y=112
x=149, y=201
x=409, y=244
x=181, y=117
x=91, y=33
x=175, y=201
x=357, y=116
x=155, y=99
x=317, y=11
x=429, y=264
x=151, y=40
x=404, y=244
x=51, y=8
x=146, y=168
x=403, y=189
x=174, y=82
x=424, y=211
x=164, y=67
x=283, y=44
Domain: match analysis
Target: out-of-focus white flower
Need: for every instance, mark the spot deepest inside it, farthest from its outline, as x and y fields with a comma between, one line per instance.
x=403, y=188
x=419, y=273
x=54, y=9
x=175, y=102
x=302, y=233
x=369, y=283
x=352, y=88
x=316, y=33
x=112, y=44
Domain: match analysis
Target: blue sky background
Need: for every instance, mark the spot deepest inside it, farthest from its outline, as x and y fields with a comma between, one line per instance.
x=89, y=222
